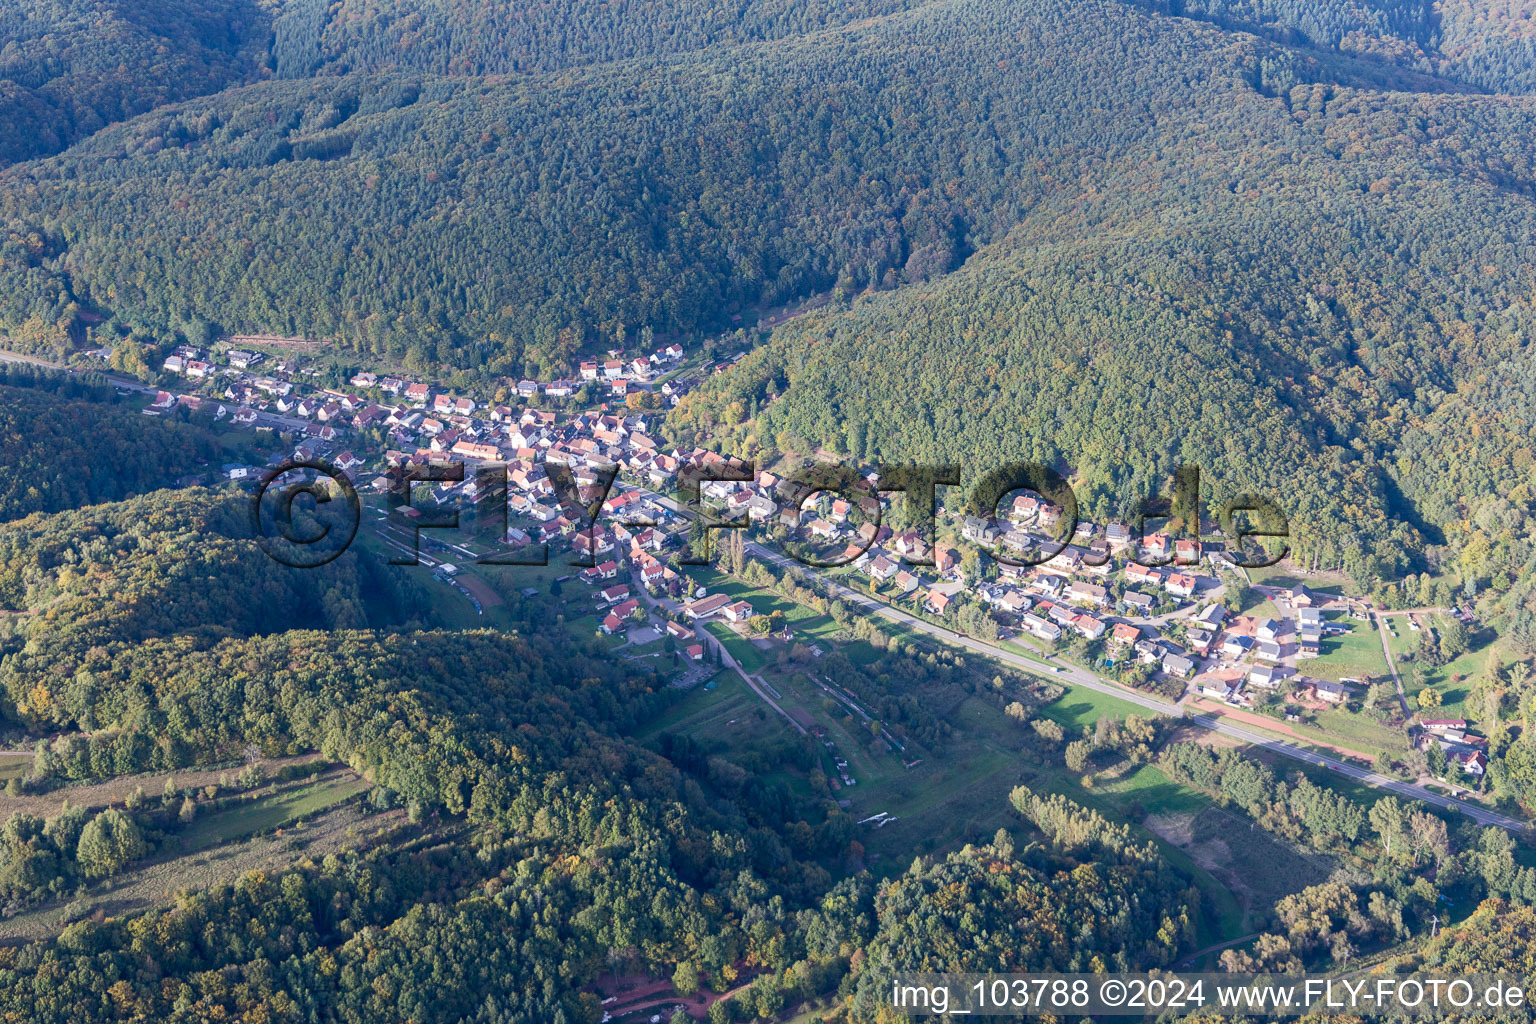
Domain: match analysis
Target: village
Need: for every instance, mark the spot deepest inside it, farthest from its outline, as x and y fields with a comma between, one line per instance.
x=1107, y=598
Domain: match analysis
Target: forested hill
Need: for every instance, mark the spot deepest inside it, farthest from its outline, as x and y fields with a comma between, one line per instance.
x=70, y=67
x=469, y=221
x=177, y=565
x=483, y=37
x=1486, y=44
x=1483, y=44
x=65, y=443
x=1318, y=316
x=1333, y=236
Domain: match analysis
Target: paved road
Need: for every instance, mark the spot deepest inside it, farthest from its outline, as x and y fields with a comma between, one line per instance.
x=1071, y=673
x=1078, y=676
x=1477, y=813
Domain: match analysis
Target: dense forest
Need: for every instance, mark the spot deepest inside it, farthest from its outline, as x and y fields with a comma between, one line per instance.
x=1288, y=241
x=503, y=224
x=169, y=564
x=695, y=217
x=483, y=37
x=1322, y=276
x=65, y=444
x=70, y=67
x=731, y=184
x=544, y=847
x=1483, y=45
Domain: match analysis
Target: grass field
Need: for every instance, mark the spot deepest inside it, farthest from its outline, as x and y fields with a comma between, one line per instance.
x=1355, y=655
x=743, y=650
x=1285, y=575
x=1358, y=732
x=14, y=766
x=704, y=712
x=265, y=834
x=1017, y=647
x=269, y=812
x=1080, y=707
x=960, y=795
x=1454, y=680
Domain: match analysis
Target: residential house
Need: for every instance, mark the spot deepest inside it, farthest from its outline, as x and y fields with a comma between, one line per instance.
x=1024, y=509
x=1212, y=616
x=1013, y=602
x=1138, y=603
x=1087, y=593
x=1180, y=585
x=1178, y=665
x=979, y=530
x=1333, y=693
x=1268, y=676
x=946, y=560
x=1088, y=626
x=606, y=571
